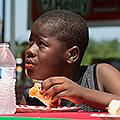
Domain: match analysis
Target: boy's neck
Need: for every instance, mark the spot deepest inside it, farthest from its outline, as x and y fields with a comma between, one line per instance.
x=77, y=73
x=74, y=73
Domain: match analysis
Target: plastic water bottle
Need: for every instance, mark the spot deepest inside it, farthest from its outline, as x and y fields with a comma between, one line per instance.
x=7, y=80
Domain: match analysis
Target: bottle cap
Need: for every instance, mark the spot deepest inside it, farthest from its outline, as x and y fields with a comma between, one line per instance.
x=4, y=44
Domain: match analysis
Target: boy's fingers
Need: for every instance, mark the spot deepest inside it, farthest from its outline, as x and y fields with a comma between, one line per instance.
x=60, y=95
x=55, y=90
x=46, y=84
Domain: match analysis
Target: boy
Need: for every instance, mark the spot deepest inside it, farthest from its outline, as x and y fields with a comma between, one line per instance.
x=57, y=44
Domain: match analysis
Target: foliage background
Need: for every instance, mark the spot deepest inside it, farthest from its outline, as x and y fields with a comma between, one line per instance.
x=104, y=49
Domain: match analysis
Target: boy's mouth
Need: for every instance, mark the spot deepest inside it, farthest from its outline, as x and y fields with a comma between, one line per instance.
x=29, y=64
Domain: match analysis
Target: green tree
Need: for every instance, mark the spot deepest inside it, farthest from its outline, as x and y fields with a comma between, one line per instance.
x=101, y=50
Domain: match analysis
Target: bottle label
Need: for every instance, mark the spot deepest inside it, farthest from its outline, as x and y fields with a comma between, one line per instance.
x=7, y=72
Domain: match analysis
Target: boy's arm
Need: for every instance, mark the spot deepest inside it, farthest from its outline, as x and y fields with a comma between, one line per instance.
x=97, y=99
x=108, y=79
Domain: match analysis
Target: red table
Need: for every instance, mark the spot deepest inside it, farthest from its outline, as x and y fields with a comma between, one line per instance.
x=62, y=115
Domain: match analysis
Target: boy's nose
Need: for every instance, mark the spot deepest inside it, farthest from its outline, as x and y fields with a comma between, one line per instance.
x=31, y=52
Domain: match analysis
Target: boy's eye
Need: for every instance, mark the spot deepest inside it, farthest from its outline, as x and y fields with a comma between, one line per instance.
x=31, y=41
x=41, y=43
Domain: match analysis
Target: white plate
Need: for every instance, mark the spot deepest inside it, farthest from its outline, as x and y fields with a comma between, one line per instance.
x=27, y=108
x=106, y=116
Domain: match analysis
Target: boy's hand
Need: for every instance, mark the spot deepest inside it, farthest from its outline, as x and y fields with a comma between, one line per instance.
x=61, y=87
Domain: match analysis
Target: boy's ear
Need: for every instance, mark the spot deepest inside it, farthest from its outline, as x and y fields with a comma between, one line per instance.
x=73, y=54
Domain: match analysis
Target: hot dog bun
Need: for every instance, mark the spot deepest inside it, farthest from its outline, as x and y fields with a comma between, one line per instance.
x=114, y=107
x=35, y=92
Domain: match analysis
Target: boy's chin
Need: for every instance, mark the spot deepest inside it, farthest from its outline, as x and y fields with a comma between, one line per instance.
x=37, y=78
x=34, y=76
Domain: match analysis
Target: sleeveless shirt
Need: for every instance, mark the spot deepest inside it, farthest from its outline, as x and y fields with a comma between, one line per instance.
x=87, y=79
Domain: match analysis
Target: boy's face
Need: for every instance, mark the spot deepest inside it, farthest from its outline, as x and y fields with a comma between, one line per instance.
x=44, y=56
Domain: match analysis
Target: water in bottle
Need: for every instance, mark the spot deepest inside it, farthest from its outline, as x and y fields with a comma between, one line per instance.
x=7, y=80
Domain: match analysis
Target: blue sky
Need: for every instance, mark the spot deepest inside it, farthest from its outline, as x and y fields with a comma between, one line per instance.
x=22, y=34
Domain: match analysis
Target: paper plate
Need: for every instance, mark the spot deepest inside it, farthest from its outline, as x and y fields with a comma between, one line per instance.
x=106, y=116
x=27, y=108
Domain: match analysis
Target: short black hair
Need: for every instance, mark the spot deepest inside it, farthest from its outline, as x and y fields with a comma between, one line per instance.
x=69, y=27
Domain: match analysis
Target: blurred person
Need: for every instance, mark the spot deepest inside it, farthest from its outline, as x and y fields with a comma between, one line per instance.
x=57, y=44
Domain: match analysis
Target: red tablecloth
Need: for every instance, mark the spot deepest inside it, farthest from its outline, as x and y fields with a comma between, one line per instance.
x=63, y=115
